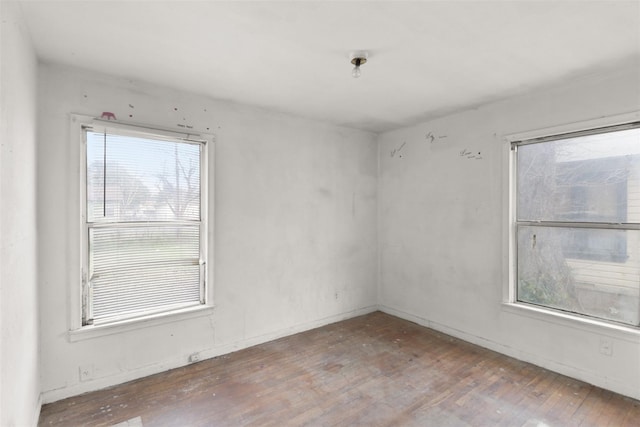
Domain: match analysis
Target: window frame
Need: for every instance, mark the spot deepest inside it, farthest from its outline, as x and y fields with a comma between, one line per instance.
x=78, y=327
x=510, y=248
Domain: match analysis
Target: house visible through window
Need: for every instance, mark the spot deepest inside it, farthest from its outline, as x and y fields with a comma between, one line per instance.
x=594, y=189
x=144, y=229
x=577, y=223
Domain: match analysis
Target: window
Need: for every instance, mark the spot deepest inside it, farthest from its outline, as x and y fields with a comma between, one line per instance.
x=577, y=222
x=144, y=223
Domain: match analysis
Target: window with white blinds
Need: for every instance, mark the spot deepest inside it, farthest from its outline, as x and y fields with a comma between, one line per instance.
x=144, y=228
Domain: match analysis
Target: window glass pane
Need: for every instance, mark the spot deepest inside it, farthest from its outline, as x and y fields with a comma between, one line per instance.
x=137, y=270
x=138, y=179
x=589, y=271
x=593, y=178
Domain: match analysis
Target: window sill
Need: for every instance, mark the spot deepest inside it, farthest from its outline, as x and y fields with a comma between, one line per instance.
x=619, y=331
x=96, y=331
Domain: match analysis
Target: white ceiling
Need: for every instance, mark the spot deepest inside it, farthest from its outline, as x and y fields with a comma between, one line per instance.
x=425, y=58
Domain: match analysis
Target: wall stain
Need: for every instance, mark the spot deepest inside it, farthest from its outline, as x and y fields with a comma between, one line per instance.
x=353, y=204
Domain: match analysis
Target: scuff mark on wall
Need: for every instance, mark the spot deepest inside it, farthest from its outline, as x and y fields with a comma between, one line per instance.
x=397, y=150
x=432, y=138
x=470, y=155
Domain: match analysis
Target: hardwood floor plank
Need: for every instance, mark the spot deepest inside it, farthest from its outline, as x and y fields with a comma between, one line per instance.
x=373, y=370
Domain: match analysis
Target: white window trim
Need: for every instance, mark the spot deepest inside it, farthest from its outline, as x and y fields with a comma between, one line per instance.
x=76, y=247
x=509, y=302
x=95, y=331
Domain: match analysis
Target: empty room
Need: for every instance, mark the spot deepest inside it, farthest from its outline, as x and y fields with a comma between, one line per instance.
x=320, y=213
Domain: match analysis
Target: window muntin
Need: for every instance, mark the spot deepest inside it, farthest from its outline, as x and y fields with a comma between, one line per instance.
x=577, y=223
x=144, y=225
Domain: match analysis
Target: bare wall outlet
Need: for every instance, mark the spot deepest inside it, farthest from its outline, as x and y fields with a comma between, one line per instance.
x=194, y=357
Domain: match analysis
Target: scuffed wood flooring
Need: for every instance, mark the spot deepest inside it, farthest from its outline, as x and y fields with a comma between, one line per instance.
x=373, y=370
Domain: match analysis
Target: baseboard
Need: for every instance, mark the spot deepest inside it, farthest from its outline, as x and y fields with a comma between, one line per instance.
x=250, y=342
x=178, y=361
x=570, y=371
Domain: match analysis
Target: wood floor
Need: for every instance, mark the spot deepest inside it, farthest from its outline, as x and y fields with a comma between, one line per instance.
x=374, y=370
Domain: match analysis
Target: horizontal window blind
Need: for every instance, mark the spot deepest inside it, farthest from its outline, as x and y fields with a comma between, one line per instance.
x=143, y=220
x=142, y=269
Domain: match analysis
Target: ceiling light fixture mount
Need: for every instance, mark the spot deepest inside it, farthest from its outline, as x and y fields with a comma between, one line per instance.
x=357, y=59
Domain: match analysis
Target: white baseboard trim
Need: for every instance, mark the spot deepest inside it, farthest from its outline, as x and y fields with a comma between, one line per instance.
x=250, y=342
x=50, y=396
x=570, y=371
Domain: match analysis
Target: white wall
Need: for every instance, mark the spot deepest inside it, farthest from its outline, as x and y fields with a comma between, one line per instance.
x=295, y=227
x=19, y=374
x=441, y=222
